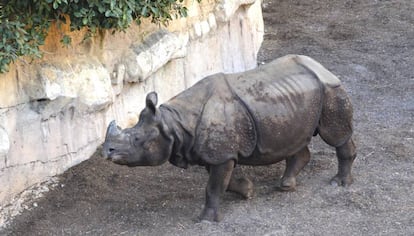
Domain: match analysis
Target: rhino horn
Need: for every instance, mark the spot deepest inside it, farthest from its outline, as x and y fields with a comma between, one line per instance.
x=113, y=129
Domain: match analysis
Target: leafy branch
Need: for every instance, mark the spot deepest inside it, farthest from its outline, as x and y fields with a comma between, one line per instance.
x=24, y=24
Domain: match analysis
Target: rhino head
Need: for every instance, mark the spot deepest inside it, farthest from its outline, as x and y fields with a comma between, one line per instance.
x=145, y=144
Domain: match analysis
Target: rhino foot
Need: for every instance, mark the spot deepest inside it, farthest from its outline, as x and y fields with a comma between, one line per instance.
x=288, y=184
x=210, y=214
x=341, y=180
x=242, y=186
x=247, y=188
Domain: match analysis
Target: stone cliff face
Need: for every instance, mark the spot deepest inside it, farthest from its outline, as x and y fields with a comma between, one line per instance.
x=54, y=111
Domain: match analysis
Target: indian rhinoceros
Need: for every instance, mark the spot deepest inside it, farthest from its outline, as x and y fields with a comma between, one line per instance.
x=258, y=117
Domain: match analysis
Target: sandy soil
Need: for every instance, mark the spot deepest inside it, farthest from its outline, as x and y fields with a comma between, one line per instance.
x=369, y=44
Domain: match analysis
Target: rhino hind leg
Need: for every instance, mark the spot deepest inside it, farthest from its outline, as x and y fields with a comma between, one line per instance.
x=242, y=186
x=346, y=155
x=335, y=128
x=294, y=165
x=335, y=123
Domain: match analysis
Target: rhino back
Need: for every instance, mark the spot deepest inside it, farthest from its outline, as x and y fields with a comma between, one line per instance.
x=285, y=100
x=272, y=110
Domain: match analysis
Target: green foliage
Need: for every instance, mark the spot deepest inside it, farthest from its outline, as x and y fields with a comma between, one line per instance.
x=24, y=23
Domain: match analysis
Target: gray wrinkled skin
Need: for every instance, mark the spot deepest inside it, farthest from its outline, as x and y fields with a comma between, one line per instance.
x=258, y=117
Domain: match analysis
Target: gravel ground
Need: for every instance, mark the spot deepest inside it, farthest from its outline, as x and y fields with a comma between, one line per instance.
x=369, y=44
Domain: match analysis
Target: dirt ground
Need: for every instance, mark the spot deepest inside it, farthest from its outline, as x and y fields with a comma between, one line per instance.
x=369, y=44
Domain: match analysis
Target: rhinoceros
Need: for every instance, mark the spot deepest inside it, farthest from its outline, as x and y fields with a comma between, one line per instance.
x=258, y=117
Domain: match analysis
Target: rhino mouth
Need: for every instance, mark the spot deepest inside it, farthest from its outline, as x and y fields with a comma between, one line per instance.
x=118, y=160
x=116, y=157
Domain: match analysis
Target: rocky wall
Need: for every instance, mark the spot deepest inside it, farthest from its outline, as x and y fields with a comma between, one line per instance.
x=54, y=111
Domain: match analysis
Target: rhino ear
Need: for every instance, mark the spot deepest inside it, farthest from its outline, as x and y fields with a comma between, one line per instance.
x=151, y=101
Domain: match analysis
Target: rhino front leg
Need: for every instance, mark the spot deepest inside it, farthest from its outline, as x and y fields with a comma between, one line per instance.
x=218, y=182
x=293, y=166
x=346, y=155
x=243, y=185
